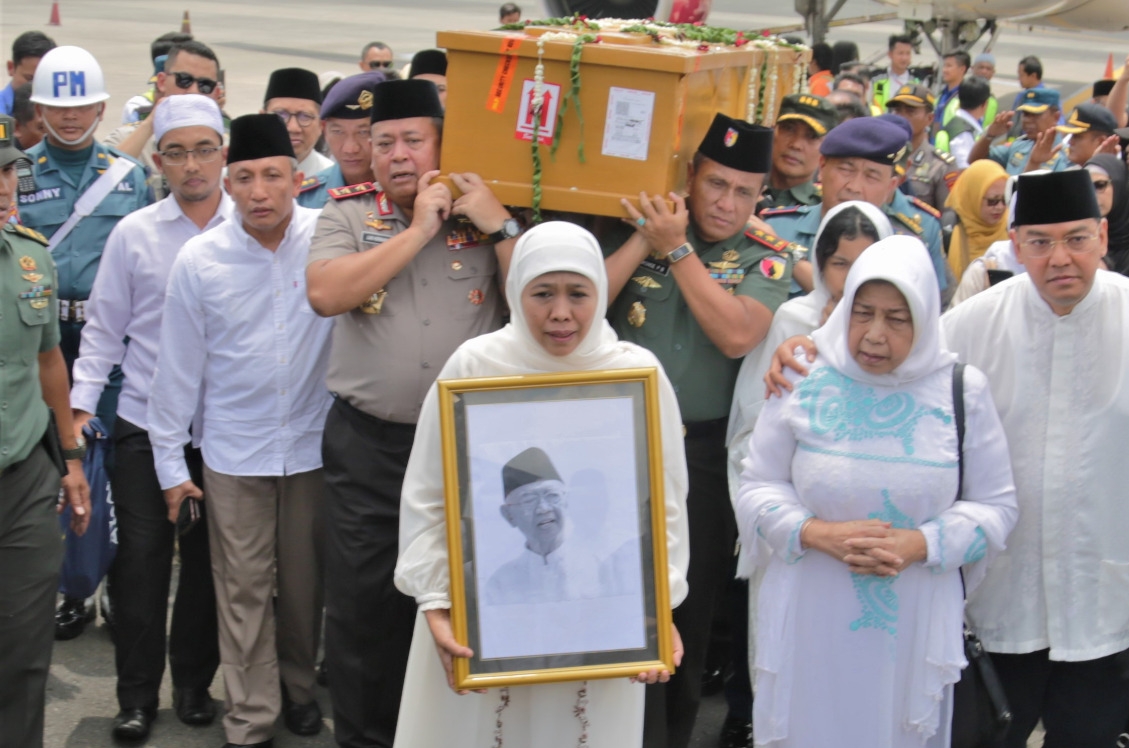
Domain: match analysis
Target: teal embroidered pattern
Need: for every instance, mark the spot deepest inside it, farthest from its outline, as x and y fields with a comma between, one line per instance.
x=876, y=594
x=978, y=549
x=853, y=411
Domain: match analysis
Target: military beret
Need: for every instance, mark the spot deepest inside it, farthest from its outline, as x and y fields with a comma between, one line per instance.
x=293, y=83
x=817, y=112
x=404, y=99
x=1055, y=197
x=429, y=62
x=738, y=145
x=913, y=94
x=1037, y=100
x=1089, y=117
x=351, y=98
x=9, y=153
x=871, y=138
x=529, y=466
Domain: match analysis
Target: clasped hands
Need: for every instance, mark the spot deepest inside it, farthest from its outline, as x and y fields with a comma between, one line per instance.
x=866, y=546
x=435, y=204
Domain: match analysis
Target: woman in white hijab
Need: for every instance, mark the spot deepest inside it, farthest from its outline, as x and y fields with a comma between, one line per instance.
x=848, y=504
x=550, y=260
x=843, y=234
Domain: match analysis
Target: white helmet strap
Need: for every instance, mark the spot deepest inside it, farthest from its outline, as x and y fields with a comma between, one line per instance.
x=89, y=131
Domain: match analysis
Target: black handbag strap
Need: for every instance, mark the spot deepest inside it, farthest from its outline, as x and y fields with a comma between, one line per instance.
x=958, y=416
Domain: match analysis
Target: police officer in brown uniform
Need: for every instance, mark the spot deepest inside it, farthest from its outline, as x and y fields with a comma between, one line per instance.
x=698, y=288
x=929, y=172
x=410, y=274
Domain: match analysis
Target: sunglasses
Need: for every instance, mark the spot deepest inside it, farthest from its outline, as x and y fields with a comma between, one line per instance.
x=1101, y=184
x=992, y=202
x=185, y=80
x=377, y=64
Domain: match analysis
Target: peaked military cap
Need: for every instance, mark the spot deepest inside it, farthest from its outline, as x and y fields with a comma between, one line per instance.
x=738, y=145
x=1038, y=100
x=1090, y=117
x=817, y=112
x=913, y=94
x=8, y=151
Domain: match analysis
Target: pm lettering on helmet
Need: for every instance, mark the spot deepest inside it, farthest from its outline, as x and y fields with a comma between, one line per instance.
x=75, y=80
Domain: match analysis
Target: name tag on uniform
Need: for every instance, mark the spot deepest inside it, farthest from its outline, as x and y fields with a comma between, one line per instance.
x=47, y=193
x=370, y=237
x=657, y=266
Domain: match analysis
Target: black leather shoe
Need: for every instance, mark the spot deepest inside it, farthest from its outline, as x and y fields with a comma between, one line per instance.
x=194, y=706
x=736, y=733
x=71, y=618
x=302, y=719
x=133, y=724
x=264, y=744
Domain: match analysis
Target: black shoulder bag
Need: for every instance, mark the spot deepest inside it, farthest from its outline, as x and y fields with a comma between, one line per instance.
x=981, y=715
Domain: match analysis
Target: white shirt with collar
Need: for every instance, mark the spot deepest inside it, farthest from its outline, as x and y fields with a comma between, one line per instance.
x=127, y=300
x=962, y=144
x=1061, y=387
x=313, y=163
x=238, y=327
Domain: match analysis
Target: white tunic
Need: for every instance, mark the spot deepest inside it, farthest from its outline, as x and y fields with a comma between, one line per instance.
x=1061, y=385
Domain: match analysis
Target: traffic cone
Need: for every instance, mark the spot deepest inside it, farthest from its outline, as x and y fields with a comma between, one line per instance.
x=1109, y=67
x=186, y=24
x=54, y=15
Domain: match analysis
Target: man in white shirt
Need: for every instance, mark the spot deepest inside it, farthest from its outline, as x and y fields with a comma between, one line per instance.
x=294, y=95
x=237, y=328
x=125, y=304
x=961, y=132
x=1054, y=608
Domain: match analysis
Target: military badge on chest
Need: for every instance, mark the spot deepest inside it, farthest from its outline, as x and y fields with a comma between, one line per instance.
x=374, y=303
x=728, y=273
x=637, y=314
x=376, y=231
x=465, y=236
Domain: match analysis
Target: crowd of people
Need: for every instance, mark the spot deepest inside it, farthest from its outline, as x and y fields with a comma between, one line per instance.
x=257, y=309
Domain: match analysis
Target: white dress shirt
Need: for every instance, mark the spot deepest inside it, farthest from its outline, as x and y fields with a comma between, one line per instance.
x=238, y=326
x=126, y=301
x=1061, y=386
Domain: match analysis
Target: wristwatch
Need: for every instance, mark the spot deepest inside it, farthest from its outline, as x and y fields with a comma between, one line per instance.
x=680, y=252
x=510, y=229
x=78, y=452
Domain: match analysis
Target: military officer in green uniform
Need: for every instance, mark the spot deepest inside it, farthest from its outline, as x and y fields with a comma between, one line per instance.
x=930, y=171
x=698, y=288
x=345, y=126
x=33, y=377
x=800, y=126
x=858, y=164
x=1040, y=112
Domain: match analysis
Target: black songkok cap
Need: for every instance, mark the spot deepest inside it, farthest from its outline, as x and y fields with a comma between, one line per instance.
x=428, y=61
x=1055, y=197
x=351, y=98
x=255, y=136
x=738, y=145
x=293, y=83
x=871, y=138
x=1103, y=87
x=529, y=466
x=404, y=99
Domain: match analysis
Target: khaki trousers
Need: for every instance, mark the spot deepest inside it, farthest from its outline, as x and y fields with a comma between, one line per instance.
x=257, y=527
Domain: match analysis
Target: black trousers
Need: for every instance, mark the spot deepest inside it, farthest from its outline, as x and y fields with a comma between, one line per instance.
x=140, y=577
x=1082, y=704
x=368, y=624
x=672, y=708
x=31, y=552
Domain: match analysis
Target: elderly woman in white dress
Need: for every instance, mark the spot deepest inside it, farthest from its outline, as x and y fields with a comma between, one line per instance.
x=849, y=505
x=557, y=293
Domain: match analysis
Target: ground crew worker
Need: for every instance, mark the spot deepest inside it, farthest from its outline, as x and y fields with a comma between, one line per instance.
x=885, y=85
x=345, y=125
x=33, y=378
x=698, y=288
x=961, y=131
x=930, y=171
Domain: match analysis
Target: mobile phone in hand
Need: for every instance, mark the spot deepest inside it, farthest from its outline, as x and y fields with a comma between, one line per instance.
x=190, y=514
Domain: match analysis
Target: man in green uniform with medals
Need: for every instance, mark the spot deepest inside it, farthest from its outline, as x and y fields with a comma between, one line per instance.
x=698, y=288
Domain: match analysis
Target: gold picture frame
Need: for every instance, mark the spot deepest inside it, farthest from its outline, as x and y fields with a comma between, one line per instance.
x=599, y=605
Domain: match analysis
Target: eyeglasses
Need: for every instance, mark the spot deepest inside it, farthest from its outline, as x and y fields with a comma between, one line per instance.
x=552, y=498
x=1101, y=184
x=378, y=64
x=995, y=200
x=185, y=80
x=179, y=156
x=1078, y=244
x=305, y=119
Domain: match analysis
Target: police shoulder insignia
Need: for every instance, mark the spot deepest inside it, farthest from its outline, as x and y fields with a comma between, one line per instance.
x=311, y=183
x=781, y=211
x=945, y=156
x=917, y=201
x=352, y=190
x=29, y=233
x=768, y=240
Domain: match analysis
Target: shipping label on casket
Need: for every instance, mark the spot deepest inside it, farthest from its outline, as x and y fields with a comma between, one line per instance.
x=627, y=127
x=547, y=127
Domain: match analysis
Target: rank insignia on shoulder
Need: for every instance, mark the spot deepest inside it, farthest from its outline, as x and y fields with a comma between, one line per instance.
x=383, y=204
x=309, y=183
x=352, y=190
x=909, y=223
x=926, y=207
x=772, y=268
x=768, y=240
x=646, y=281
x=30, y=234
x=945, y=156
x=787, y=209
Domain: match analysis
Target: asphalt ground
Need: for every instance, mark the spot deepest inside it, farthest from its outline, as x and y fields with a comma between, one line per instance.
x=254, y=37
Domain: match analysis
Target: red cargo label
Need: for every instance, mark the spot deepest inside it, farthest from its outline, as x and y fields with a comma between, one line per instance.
x=503, y=75
x=525, y=116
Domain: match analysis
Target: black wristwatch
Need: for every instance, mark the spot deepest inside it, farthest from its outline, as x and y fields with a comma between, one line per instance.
x=78, y=452
x=510, y=229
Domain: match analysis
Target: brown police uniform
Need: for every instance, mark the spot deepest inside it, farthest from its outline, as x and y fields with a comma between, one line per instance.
x=930, y=174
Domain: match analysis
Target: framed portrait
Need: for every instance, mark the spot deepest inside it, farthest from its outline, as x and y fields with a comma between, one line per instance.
x=556, y=526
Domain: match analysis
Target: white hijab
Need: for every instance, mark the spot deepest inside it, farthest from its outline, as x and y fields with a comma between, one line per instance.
x=819, y=296
x=551, y=247
x=904, y=262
